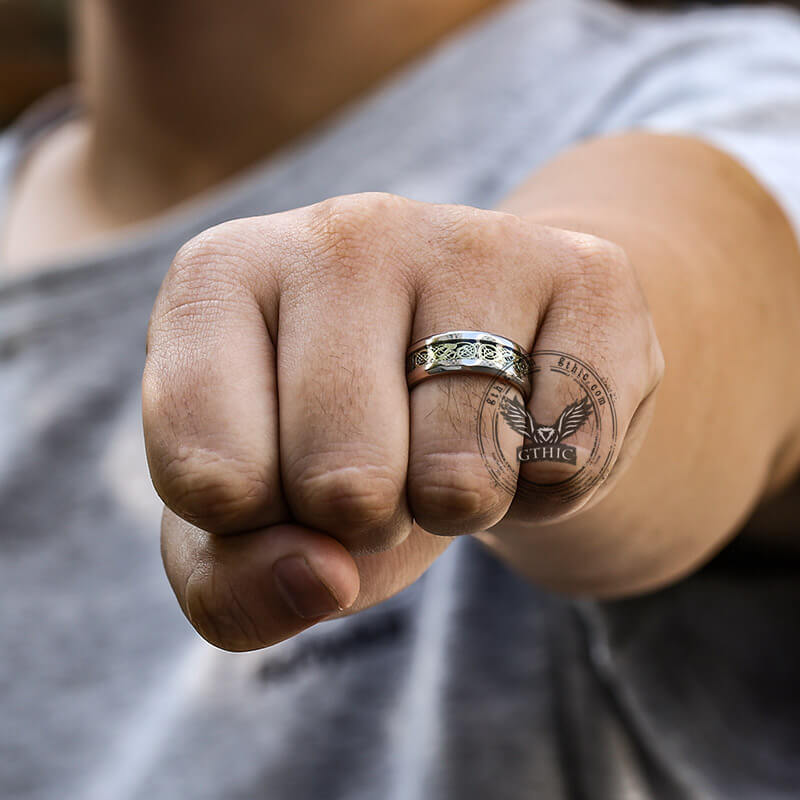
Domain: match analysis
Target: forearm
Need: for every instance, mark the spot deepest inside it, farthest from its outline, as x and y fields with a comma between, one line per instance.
x=721, y=271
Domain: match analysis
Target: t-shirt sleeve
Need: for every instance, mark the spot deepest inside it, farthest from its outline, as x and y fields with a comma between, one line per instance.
x=737, y=88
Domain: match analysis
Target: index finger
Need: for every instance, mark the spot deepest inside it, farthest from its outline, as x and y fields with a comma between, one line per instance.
x=209, y=394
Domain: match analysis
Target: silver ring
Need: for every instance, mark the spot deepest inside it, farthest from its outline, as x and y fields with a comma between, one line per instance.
x=471, y=352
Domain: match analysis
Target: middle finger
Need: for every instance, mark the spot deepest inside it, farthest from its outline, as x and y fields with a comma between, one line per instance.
x=343, y=329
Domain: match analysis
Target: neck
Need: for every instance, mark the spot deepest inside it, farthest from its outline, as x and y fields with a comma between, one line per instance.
x=183, y=93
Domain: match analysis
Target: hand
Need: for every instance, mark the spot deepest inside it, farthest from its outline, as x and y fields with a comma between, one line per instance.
x=277, y=417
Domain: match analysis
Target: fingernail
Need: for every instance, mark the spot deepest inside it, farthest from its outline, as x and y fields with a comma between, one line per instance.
x=302, y=590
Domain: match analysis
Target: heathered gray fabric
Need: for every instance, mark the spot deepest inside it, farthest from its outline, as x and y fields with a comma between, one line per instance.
x=472, y=683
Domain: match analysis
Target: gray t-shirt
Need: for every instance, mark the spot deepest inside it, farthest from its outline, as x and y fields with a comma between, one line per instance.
x=471, y=683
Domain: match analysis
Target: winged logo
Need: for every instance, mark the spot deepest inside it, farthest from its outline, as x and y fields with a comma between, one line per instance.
x=522, y=421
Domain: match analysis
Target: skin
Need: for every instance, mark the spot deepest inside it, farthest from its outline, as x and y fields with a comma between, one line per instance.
x=369, y=503
x=658, y=259
x=185, y=93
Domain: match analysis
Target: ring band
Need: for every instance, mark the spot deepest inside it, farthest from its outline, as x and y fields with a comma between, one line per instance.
x=471, y=352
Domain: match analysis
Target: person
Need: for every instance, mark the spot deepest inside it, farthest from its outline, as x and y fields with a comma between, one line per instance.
x=603, y=199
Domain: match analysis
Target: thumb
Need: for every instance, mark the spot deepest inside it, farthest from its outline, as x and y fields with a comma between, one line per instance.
x=252, y=590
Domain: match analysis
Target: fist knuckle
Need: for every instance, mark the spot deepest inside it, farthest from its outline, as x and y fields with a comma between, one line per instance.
x=212, y=265
x=446, y=495
x=450, y=499
x=474, y=237
x=597, y=297
x=599, y=266
x=215, y=493
x=217, y=613
x=209, y=277
x=603, y=255
x=214, y=252
x=347, y=228
x=356, y=496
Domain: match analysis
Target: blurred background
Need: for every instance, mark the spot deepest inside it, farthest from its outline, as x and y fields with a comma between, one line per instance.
x=33, y=52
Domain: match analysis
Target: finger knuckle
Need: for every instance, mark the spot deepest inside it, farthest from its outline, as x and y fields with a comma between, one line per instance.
x=215, y=266
x=211, y=276
x=215, y=493
x=452, y=495
x=597, y=298
x=217, y=613
x=475, y=236
x=214, y=254
x=598, y=265
x=602, y=255
x=353, y=496
x=347, y=229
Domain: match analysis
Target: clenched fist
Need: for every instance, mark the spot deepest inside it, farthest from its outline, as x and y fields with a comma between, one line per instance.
x=302, y=478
